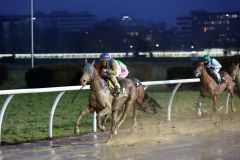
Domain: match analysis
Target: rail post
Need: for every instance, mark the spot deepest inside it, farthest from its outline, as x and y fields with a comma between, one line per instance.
x=6, y=102
x=171, y=99
x=50, y=125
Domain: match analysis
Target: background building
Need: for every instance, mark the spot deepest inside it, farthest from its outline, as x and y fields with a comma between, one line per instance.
x=15, y=31
x=204, y=29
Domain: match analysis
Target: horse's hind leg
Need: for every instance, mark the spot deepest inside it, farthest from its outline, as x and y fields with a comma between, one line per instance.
x=232, y=100
x=135, y=112
x=86, y=110
x=214, y=99
x=124, y=115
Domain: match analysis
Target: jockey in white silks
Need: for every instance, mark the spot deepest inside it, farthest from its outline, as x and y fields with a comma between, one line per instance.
x=213, y=66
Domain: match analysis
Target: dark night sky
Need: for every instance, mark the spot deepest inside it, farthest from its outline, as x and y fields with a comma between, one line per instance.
x=147, y=10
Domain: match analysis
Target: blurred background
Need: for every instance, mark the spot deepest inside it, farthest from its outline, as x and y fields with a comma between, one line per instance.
x=44, y=43
x=149, y=36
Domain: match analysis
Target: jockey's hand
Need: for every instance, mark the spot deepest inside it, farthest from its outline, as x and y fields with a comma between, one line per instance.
x=212, y=68
x=105, y=72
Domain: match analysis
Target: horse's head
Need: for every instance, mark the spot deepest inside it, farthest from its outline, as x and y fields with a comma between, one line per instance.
x=200, y=68
x=88, y=73
x=234, y=70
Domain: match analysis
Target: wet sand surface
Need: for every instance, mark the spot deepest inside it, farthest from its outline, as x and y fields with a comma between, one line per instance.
x=211, y=138
x=219, y=146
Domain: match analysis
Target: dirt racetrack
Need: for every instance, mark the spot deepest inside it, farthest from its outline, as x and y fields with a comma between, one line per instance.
x=216, y=136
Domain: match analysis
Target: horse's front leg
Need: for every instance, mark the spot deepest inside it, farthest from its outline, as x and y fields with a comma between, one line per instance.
x=86, y=110
x=102, y=113
x=199, y=105
x=232, y=102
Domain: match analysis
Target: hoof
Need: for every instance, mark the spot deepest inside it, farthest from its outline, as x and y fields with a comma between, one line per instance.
x=219, y=109
x=102, y=128
x=108, y=141
x=199, y=112
x=115, y=132
x=234, y=110
x=76, y=131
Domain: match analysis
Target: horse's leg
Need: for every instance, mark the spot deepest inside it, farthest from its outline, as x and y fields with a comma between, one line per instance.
x=86, y=110
x=199, y=105
x=135, y=112
x=232, y=100
x=124, y=114
x=104, y=122
x=116, y=120
x=102, y=113
x=117, y=114
x=214, y=98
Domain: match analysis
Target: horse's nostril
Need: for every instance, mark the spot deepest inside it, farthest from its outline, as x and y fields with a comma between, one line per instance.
x=83, y=81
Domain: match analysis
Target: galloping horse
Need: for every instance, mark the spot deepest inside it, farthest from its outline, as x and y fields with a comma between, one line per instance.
x=103, y=102
x=235, y=74
x=209, y=88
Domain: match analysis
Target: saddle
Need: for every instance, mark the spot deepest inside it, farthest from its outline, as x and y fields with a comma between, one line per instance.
x=222, y=75
x=123, y=88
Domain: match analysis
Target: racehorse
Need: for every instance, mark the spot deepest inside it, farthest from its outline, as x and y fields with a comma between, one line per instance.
x=209, y=88
x=104, y=102
x=235, y=74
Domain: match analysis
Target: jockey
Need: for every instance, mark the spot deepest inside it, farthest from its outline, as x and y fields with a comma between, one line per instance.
x=213, y=66
x=113, y=69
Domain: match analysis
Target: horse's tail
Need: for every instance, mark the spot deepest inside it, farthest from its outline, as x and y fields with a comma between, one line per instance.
x=141, y=94
x=149, y=105
x=237, y=87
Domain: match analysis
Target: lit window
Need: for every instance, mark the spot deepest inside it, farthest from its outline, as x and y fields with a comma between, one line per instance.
x=205, y=29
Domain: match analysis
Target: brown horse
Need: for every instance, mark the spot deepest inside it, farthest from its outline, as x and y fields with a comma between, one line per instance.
x=103, y=102
x=235, y=74
x=209, y=88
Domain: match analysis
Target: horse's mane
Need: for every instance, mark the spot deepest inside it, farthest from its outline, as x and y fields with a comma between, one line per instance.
x=97, y=68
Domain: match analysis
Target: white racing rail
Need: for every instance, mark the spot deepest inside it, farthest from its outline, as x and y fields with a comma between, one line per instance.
x=62, y=90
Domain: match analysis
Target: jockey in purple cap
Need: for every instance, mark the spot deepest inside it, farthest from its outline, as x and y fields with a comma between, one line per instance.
x=113, y=69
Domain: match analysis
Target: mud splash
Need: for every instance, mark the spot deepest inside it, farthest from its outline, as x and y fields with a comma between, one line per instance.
x=216, y=137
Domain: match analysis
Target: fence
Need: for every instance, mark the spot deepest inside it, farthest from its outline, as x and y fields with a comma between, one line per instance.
x=62, y=90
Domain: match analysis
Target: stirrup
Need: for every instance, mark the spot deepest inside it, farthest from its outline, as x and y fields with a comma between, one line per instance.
x=116, y=94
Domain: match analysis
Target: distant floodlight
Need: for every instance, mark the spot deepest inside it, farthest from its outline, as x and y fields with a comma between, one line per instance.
x=126, y=18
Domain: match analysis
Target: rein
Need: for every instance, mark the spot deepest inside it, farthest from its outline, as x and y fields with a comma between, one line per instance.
x=77, y=94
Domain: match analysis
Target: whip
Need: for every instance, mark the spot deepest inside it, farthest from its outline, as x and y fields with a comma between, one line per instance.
x=77, y=94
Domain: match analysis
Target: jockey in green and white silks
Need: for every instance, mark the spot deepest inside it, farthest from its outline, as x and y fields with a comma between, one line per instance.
x=113, y=69
x=213, y=66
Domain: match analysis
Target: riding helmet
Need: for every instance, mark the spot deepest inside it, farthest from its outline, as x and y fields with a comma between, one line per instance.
x=206, y=58
x=105, y=56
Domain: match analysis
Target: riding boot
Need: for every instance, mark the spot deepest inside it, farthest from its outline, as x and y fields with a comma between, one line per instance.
x=219, y=85
x=116, y=85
